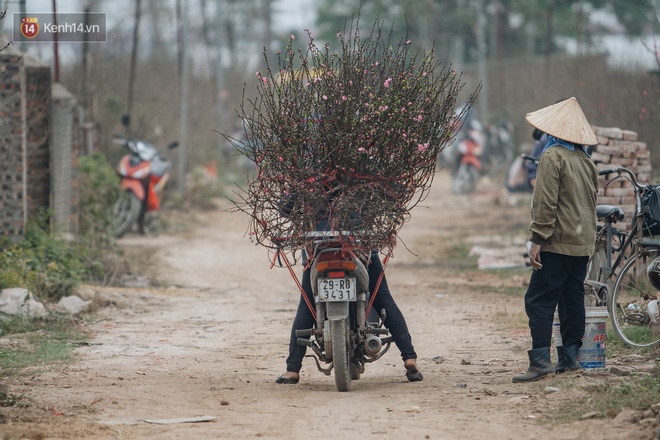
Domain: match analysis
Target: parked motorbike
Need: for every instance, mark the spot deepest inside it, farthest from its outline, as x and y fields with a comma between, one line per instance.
x=499, y=149
x=348, y=333
x=517, y=177
x=467, y=168
x=144, y=172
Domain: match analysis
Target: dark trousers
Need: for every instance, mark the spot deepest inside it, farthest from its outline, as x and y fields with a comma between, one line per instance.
x=558, y=284
x=394, y=320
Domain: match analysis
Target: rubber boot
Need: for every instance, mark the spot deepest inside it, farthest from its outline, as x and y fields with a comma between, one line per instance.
x=567, y=358
x=540, y=365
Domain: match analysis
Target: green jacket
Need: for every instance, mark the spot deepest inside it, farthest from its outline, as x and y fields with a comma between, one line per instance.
x=564, y=202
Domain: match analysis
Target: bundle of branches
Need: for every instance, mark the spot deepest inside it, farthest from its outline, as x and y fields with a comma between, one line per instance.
x=345, y=140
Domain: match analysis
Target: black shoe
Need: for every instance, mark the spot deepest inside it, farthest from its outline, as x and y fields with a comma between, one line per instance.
x=415, y=377
x=413, y=374
x=540, y=365
x=286, y=380
x=567, y=359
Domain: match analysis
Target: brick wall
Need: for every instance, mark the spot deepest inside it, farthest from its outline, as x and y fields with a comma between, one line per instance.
x=619, y=147
x=37, y=106
x=12, y=170
x=26, y=148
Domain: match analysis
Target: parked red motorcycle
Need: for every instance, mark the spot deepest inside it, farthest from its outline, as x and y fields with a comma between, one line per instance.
x=467, y=169
x=144, y=173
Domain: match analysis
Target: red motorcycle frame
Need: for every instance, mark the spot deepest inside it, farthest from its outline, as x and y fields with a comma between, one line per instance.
x=144, y=172
x=468, y=167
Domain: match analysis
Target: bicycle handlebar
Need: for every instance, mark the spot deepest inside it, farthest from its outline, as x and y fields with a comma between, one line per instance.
x=631, y=176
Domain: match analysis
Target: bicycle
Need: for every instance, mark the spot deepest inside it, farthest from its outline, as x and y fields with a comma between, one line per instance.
x=623, y=285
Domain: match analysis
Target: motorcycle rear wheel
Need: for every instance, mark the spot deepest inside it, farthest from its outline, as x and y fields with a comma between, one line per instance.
x=341, y=355
x=465, y=179
x=125, y=213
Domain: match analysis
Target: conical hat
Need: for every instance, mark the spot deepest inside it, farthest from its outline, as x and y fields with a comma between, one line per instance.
x=564, y=120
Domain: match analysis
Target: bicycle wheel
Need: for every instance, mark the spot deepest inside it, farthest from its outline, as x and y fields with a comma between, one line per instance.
x=628, y=301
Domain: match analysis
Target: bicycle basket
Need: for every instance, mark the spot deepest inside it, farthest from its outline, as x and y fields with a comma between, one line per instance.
x=651, y=203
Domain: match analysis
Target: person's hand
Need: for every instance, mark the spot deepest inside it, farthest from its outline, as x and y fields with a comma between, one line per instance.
x=534, y=254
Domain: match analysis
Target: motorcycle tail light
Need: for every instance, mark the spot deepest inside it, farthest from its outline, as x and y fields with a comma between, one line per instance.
x=334, y=261
x=336, y=274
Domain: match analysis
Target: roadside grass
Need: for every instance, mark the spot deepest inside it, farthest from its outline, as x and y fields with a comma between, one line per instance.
x=38, y=345
x=604, y=398
x=51, y=267
x=456, y=254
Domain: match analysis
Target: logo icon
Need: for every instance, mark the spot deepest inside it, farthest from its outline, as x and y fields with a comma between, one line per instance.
x=29, y=27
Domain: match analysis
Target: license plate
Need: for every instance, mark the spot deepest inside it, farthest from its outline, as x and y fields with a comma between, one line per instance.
x=339, y=289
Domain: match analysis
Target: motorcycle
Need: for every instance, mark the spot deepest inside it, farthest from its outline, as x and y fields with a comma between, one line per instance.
x=348, y=333
x=499, y=149
x=467, y=168
x=144, y=172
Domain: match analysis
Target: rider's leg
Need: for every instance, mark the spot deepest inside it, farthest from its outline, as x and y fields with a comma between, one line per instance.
x=303, y=320
x=394, y=319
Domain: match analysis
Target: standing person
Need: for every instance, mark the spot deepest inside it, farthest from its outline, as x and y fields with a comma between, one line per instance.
x=562, y=236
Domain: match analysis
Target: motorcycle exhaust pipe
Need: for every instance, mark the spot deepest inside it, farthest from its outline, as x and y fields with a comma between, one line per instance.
x=372, y=345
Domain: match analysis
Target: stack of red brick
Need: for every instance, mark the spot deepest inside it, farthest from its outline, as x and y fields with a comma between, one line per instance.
x=620, y=148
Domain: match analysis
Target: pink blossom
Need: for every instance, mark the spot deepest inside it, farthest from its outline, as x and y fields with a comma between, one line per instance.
x=292, y=37
x=419, y=118
x=344, y=98
x=310, y=180
x=422, y=147
x=382, y=108
x=264, y=80
x=280, y=158
x=258, y=74
x=338, y=34
x=325, y=97
x=361, y=149
x=408, y=42
x=387, y=82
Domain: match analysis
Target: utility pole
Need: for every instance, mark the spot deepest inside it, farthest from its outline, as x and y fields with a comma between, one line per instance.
x=481, y=60
x=23, y=9
x=220, y=75
x=56, y=55
x=268, y=19
x=131, y=78
x=458, y=45
x=183, y=99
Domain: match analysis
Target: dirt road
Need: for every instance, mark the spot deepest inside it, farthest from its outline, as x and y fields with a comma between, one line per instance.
x=213, y=341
